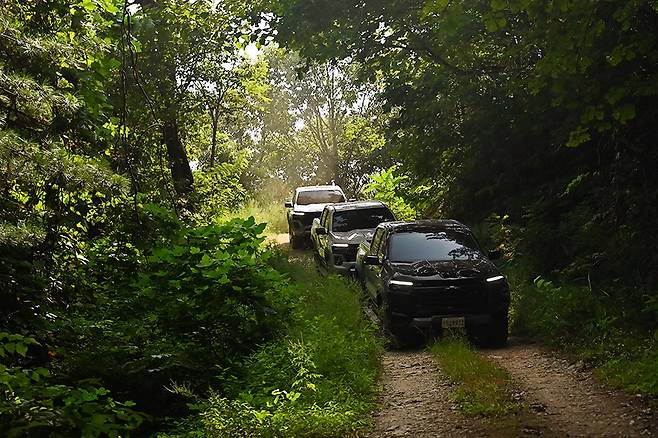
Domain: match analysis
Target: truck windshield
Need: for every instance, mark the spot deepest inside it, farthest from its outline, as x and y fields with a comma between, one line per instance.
x=363, y=218
x=319, y=197
x=408, y=247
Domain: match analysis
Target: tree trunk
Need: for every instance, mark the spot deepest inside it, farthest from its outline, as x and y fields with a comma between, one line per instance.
x=214, y=114
x=180, y=166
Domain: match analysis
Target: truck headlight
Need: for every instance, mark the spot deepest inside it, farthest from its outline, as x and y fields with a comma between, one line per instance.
x=400, y=283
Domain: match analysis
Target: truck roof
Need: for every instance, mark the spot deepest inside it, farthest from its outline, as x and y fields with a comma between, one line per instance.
x=317, y=188
x=425, y=225
x=356, y=205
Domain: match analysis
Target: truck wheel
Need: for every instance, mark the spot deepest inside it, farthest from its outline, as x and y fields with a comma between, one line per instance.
x=397, y=338
x=395, y=342
x=295, y=242
x=498, y=330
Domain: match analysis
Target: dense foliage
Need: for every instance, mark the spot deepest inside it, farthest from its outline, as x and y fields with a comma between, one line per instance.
x=129, y=302
x=318, y=380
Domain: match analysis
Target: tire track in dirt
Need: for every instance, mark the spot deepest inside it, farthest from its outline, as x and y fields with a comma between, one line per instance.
x=572, y=401
x=415, y=400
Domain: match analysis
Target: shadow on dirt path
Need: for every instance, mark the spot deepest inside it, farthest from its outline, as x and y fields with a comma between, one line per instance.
x=572, y=400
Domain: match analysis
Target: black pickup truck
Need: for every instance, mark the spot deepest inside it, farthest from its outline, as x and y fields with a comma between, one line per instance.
x=336, y=235
x=432, y=275
x=307, y=204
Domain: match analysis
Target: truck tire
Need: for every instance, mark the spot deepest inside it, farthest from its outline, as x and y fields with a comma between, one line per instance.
x=295, y=242
x=498, y=330
x=398, y=338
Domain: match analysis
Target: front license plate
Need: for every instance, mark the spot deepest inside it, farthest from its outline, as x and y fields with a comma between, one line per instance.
x=457, y=322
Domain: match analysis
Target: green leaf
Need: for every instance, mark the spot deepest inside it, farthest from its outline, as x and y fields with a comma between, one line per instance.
x=498, y=5
x=21, y=349
x=578, y=137
x=109, y=6
x=624, y=113
x=205, y=262
x=88, y=5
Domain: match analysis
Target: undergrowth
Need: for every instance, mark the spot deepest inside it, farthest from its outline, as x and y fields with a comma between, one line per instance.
x=606, y=321
x=482, y=388
x=317, y=379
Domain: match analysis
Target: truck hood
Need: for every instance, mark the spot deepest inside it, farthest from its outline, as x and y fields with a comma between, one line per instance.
x=352, y=237
x=310, y=208
x=448, y=269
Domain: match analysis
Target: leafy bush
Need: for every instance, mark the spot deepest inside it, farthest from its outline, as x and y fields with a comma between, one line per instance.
x=211, y=287
x=195, y=305
x=31, y=405
x=219, y=190
x=386, y=186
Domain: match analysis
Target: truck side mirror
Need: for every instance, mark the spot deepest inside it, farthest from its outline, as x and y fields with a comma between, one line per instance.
x=288, y=204
x=320, y=231
x=371, y=260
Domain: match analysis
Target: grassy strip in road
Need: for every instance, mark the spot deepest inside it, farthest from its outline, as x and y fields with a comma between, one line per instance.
x=482, y=388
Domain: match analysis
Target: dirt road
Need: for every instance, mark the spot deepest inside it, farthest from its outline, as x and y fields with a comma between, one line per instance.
x=572, y=399
x=558, y=399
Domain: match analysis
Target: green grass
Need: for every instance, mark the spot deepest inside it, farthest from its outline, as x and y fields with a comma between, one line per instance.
x=637, y=375
x=271, y=213
x=481, y=387
x=317, y=379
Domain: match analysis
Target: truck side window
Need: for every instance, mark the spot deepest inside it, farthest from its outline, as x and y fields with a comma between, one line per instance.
x=376, y=239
